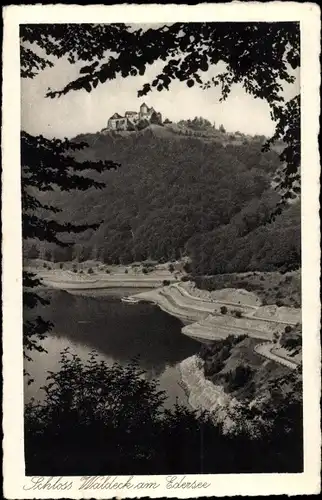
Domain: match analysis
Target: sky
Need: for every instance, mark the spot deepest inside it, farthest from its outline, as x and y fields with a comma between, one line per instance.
x=82, y=112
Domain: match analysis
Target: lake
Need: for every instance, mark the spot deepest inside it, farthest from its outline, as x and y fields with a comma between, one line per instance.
x=118, y=332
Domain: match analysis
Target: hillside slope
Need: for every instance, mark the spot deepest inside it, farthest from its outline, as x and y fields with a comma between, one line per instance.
x=176, y=195
x=234, y=364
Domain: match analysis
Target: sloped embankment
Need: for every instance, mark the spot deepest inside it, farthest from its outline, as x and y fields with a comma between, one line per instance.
x=229, y=380
x=225, y=312
x=202, y=394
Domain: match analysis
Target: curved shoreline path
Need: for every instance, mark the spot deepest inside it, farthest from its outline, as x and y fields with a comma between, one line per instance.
x=200, y=311
x=206, y=322
x=265, y=350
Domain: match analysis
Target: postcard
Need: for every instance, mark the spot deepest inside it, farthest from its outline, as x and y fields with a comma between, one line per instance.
x=161, y=259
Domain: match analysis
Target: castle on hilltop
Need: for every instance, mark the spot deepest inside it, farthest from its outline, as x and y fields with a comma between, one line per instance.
x=132, y=119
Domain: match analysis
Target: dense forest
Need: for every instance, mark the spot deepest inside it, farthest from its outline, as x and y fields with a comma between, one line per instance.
x=178, y=195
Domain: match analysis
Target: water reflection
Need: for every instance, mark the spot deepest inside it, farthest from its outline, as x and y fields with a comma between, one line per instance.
x=117, y=331
x=121, y=331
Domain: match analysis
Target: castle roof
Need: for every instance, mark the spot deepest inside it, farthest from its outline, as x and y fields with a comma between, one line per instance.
x=116, y=115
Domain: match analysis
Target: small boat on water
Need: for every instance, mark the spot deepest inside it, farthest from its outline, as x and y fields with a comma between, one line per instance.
x=130, y=300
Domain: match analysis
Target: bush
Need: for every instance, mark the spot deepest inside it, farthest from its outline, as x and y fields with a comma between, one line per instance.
x=187, y=267
x=90, y=271
x=238, y=314
x=126, y=271
x=156, y=119
x=185, y=278
x=213, y=366
x=45, y=265
x=145, y=271
x=74, y=270
x=275, y=337
x=171, y=268
x=279, y=303
x=107, y=271
x=165, y=282
x=287, y=329
x=291, y=342
x=238, y=377
x=61, y=265
x=223, y=310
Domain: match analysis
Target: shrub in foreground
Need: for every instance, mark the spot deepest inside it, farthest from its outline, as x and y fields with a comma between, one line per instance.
x=98, y=419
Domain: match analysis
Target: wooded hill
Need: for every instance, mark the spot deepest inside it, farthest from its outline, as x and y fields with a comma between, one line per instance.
x=176, y=195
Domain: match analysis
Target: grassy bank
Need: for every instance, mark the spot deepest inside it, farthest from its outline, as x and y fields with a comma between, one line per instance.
x=271, y=287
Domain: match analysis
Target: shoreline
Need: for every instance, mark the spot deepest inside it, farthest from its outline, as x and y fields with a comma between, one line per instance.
x=89, y=276
x=202, y=318
x=203, y=395
x=206, y=322
x=206, y=316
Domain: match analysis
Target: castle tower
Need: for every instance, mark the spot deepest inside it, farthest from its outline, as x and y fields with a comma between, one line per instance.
x=143, y=110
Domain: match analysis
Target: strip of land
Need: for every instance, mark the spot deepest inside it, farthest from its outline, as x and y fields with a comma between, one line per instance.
x=91, y=276
x=207, y=316
x=267, y=350
x=210, y=320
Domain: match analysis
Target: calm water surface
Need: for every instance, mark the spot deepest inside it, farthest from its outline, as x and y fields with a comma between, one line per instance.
x=118, y=332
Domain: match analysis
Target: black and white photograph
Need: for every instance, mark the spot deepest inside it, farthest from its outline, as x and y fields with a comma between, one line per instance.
x=161, y=253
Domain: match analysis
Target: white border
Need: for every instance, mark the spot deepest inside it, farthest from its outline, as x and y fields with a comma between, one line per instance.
x=221, y=485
